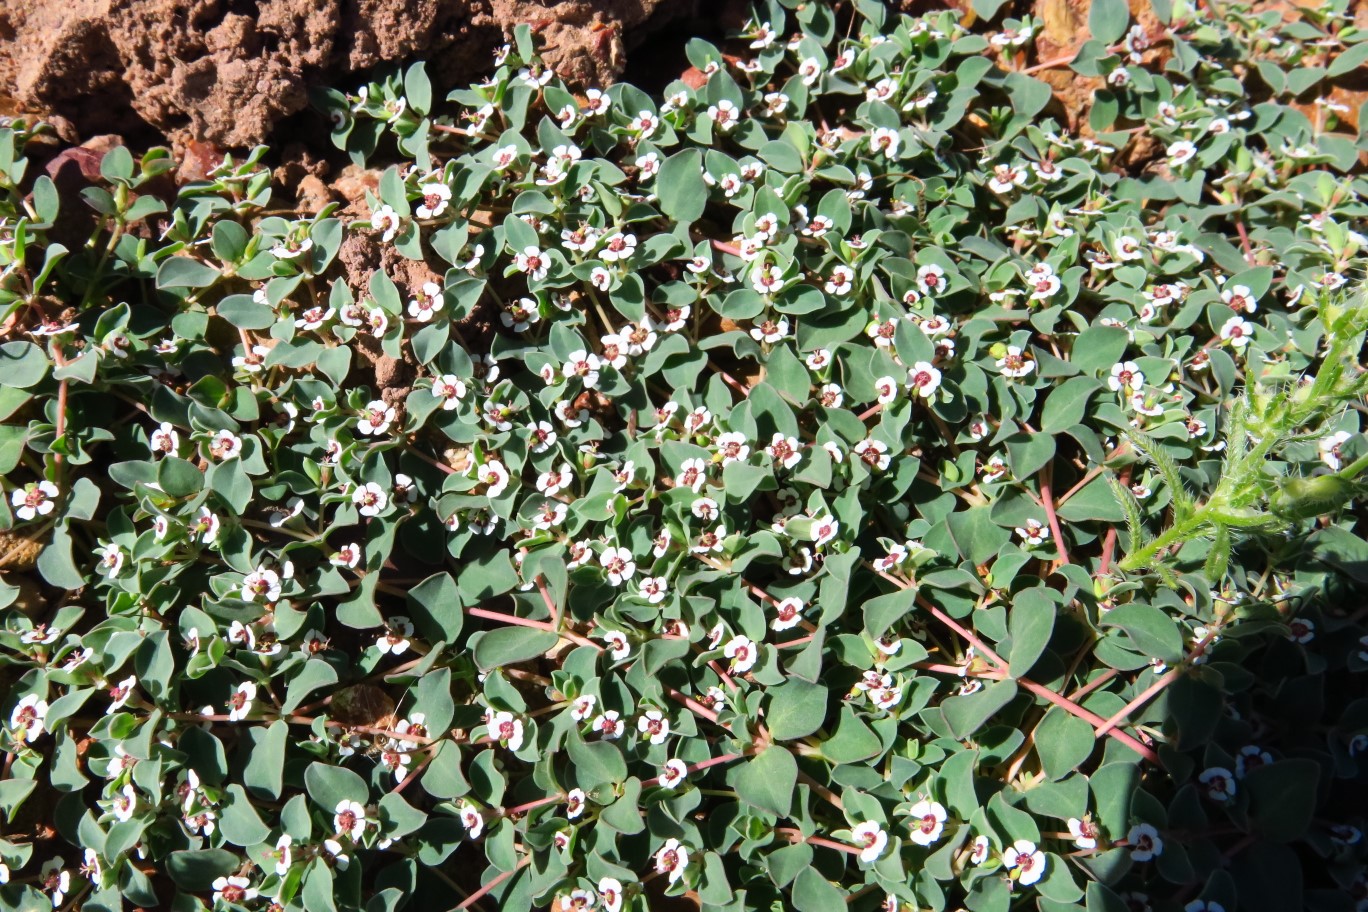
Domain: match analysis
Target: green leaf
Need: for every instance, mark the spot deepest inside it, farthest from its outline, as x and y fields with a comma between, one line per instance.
x=511, y=645
x=1108, y=20
x=976, y=535
x=1283, y=797
x=767, y=781
x=328, y=786
x=683, y=194
x=1154, y=633
x=1350, y=61
x=595, y=763
x=185, y=272
x=1031, y=623
x=265, y=768
x=797, y=708
x=23, y=364
x=196, y=870
x=179, y=478
x=239, y=821
x=966, y=714
x=1063, y=742
x=1067, y=403
x=852, y=741
x=814, y=893
x=314, y=674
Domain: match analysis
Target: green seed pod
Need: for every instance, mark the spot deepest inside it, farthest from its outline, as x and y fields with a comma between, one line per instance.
x=1303, y=498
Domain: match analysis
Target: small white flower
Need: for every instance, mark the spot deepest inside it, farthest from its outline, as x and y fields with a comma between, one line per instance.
x=618, y=247
x=1330, y=449
x=1237, y=331
x=672, y=858
x=673, y=773
x=349, y=819
x=924, y=379
x=1219, y=783
x=472, y=820
x=386, y=221
x=240, y=702
x=225, y=445
x=619, y=564
x=450, y=389
x=28, y=718
x=980, y=852
x=1084, y=833
x=1180, y=152
x=370, y=499
x=582, y=707
x=725, y=115
x=743, y=653
x=654, y=726
x=1024, y=856
x=507, y=728
x=395, y=640
x=436, y=196
x=871, y=839
x=1144, y=842
x=655, y=588
x=1239, y=298
x=533, y=262
x=1015, y=364
x=609, y=725
x=884, y=140
x=619, y=647
x=574, y=803
x=1126, y=375
x=34, y=499
x=234, y=890
x=261, y=584
x=928, y=822
x=1034, y=532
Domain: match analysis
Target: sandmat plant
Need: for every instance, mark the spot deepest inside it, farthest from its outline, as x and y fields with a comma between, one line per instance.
x=850, y=479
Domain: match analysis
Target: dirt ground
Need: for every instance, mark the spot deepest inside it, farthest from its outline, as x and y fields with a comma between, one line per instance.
x=225, y=72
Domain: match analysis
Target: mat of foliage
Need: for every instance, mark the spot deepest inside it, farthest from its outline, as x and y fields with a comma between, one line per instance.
x=829, y=485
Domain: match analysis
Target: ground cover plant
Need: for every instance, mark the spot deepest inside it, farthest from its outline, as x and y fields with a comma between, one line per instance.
x=841, y=482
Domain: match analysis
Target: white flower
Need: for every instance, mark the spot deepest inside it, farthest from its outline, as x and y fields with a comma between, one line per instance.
x=672, y=858
x=422, y=307
x=235, y=890
x=435, y=195
x=871, y=838
x=34, y=499
x=673, y=773
x=980, y=852
x=618, y=247
x=884, y=140
x=262, y=584
x=283, y=855
x=1014, y=364
x=164, y=440
x=1237, y=331
x=450, y=389
x=787, y=614
x=1144, y=842
x=655, y=588
x=225, y=445
x=1239, y=298
x=619, y=564
x=119, y=693
x=28, y=717
x=1126, y=375
x=618, y=645
x=654, y=726
x=240, y=702
x=809, y=70
x=395, y=639
x=840, y=281
x=923, y=379
x=874, y=453
x=930, y=279
x=1330, y=449
x=582, y=707
x=574, y=803
x=386, y=220
x=1005, y=178
x=743, y=652
x=370, y=499
x=376, y=418
x=1180, y=152
x=609, y=725
x=494, y=475
x=771, y=331
x=507, y=728
x=1219, y=783
x=725, y=115
x=928, y=822
x=472, y=820
x=583, y=365
x=1084, y=833
x=533, y=262
x=1024, y=855
x=1034, y=532
x=349, y=819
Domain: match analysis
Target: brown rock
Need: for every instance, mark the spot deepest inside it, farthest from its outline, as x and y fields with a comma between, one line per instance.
x=226, y=71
